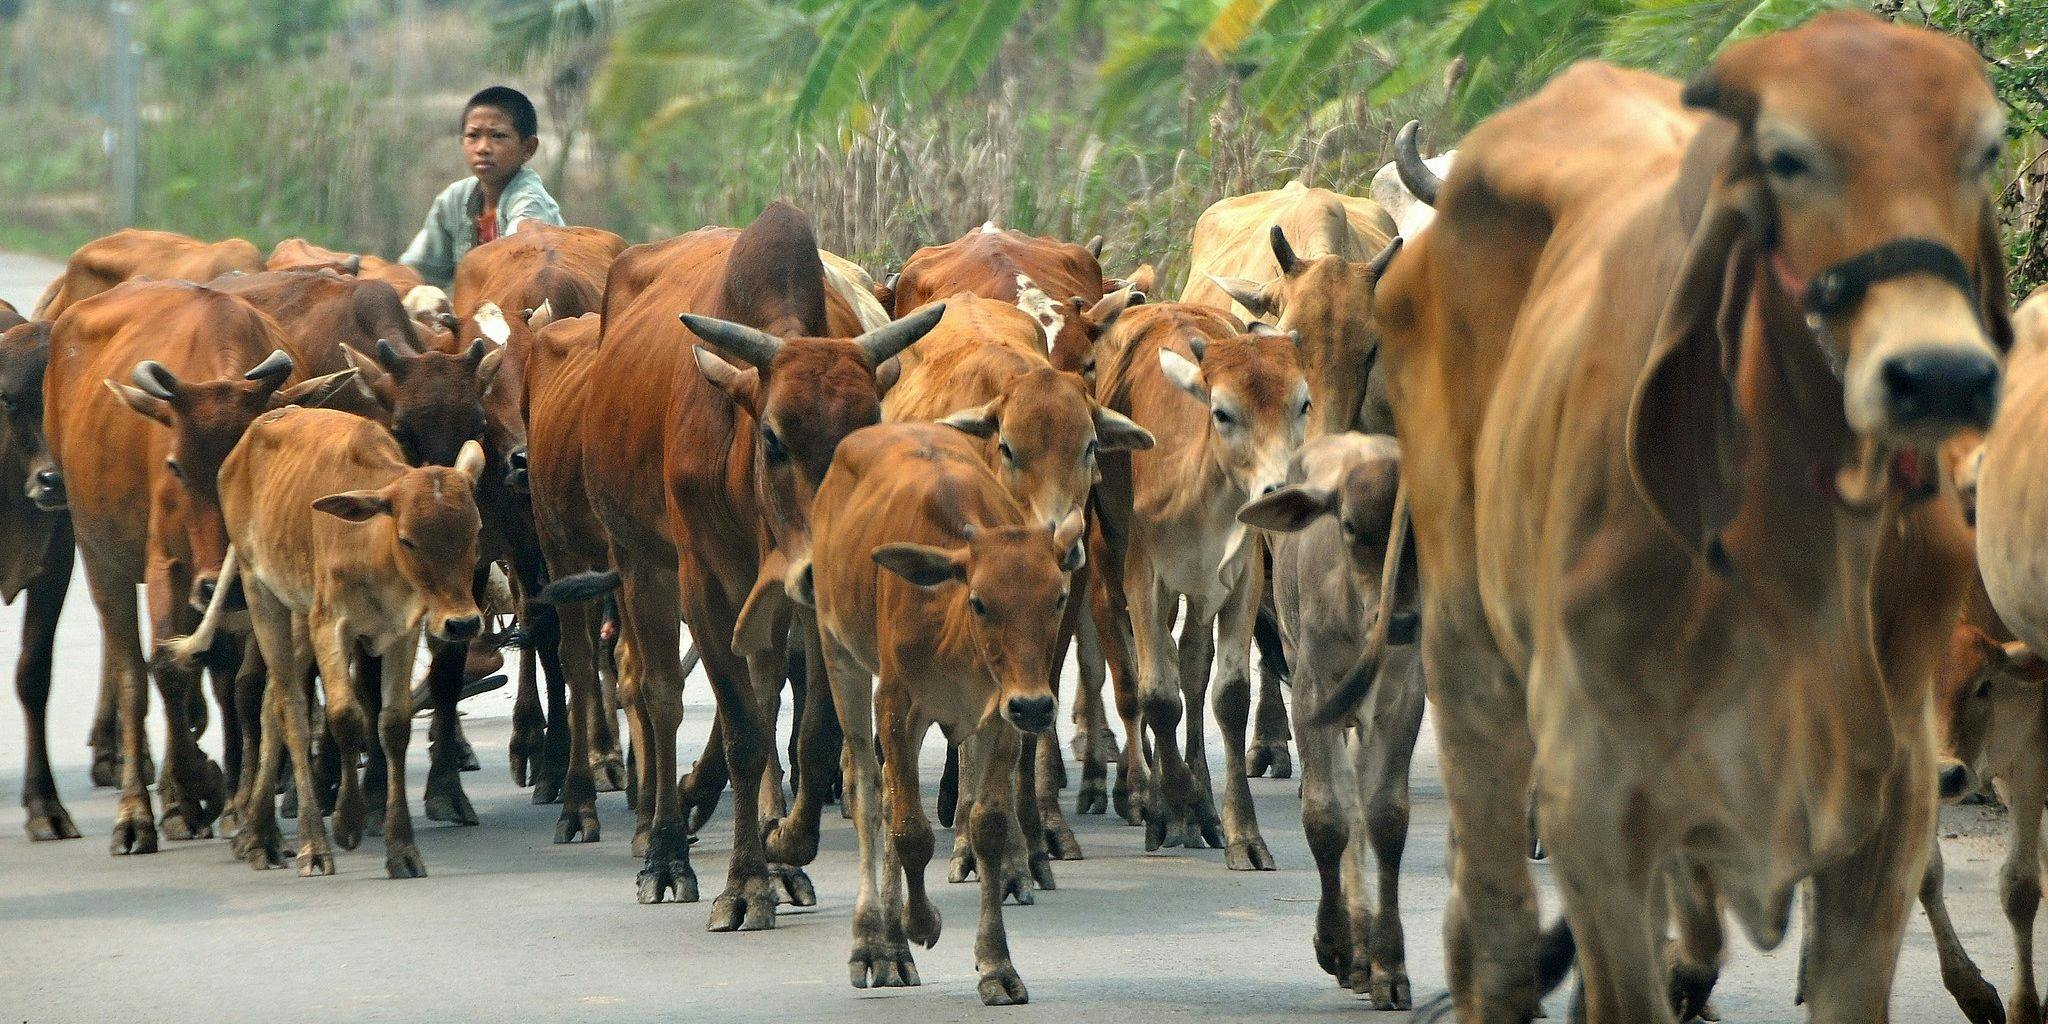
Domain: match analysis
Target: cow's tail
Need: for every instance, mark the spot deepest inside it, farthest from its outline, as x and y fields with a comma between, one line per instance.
x=583, y=586
x=184, y=650
x=1358, y=684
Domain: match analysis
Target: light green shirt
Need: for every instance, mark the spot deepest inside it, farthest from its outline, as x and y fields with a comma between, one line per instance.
x=450, y=230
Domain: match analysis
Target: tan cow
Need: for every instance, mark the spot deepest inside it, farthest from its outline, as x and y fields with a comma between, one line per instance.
x=927, y=574
x=299, y=254
x=1333, y=522
x=1679, y=567
x=990, y=261
x=133, y=252
x=1228, y=410
x=341, y=548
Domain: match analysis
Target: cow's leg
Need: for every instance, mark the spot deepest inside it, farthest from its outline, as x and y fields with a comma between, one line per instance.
x=999, y=985
x=190, y=783
x=748, y=902
x=617, y=773
x=1244, y=847
x=1268, y=754
x=1693, y=959
x=555, y=742
x=881, y=955
x=394, y=728
x=794, y=840
x=105, y=736
x=1608, y=880
x=576, y=659
x=767, y=687
x=1323, y=822
x=529, y=730
x=1348, y=777
x=290, y=651
x=47, y=818
x=704, y=786
x=1959, y=974
x=1049, y=767
x=369, y=684
x=914, y=917
x=1028, y=863
x=121, y=656
x=1386, y=760
x=347, y=720
x=640, y=792
x=1092, y=741
x=1172, y=790
x=446, y=800
x=965, y=757
x=251, y=679
x=223, y=661
x=1861, y=902
x=649, y=605
x=258, y=841
x=1197, y=656
x=1483, y=733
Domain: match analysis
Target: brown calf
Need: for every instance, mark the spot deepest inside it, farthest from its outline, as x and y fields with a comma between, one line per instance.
x=133, y=252
x=962, y=640
x=989, y=261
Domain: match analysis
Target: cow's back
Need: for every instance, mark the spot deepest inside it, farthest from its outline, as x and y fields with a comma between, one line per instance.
x=289, y=458
x=2012, y=484
x=979, y=346
x=101, y=264
x=1233, y=236
x=321, y=311
x=565, y=267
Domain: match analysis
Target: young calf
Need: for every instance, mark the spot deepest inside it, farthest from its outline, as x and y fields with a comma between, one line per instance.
x=1328, y=587
x=960, y=631
x=341, y=547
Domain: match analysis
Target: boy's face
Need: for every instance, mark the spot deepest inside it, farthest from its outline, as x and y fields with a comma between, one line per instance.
x=492, y=147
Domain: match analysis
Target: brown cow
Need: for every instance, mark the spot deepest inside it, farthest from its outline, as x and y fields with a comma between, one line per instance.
x=341, y=548
x=35, y=558
x=1677, y=567
x=989, y=260
x=564, y=267
x=1229, y=410
x=742, y=451
x=299, y=254
x=133, y=252
x=963, y=640
x=1336, y=511
x=144, y=501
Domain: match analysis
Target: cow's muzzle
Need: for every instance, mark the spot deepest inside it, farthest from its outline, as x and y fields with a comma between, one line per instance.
x=1030, y=714
x=46, y=489
x=459, y=630
x=1953, y=780
x=1940, y=387
x=516, y=476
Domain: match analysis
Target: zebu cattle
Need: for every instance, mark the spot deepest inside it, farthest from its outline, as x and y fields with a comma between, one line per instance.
x=1407, y=186
x=1228, y=410
x=299, y=254
x=989, y=260
x=1678, y=569
x=926, y=573
x=132, y=252
x=138, y=467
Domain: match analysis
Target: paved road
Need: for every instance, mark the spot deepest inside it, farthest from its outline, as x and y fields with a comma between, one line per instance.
x=509, y=927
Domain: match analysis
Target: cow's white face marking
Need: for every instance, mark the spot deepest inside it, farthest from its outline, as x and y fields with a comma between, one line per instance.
x=490, y=322
x=1050, y=315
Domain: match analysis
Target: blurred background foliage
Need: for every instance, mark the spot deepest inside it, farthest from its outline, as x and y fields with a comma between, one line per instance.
x=894, y=122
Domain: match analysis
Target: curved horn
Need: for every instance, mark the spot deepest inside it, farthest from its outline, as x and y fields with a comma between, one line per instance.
x=757, y=348
x=352, y=266
x=1283, y=252
x=1385, y=258
x=887, y=340
x=276, y=365
x=155, y=380
x=1415, y=174
x=388, y=357
x=476, y=352
x=1095, y=247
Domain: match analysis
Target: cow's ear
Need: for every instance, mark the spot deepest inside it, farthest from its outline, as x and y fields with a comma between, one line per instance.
x=371, y=378
x=1289, y=509
x=1116, y=432
x=1142, y=279
x=315, y=392
x=1070, y=540
x=470, y=461
x=487, y=370
x=1249, y=294
x=743, y=385
x=923, y=565
x=980, y=421
x=888, y=374
x=1100, y=316
x=354, y=506
x=147, y=404
x=1682, y=426
x=1184, y=374
x=1994, y=303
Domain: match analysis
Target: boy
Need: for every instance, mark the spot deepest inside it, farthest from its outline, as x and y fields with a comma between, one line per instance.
x=499, y=129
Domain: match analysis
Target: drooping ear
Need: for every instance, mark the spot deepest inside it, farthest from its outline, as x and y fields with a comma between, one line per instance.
x=487, y=368
x=354, y=506
x=371, y=378
x=1116, y=432
x=1100, y=316
x=743, y=385
x=923, y=565
x=1142, y=279
x=1993, y=300
x=470, y=461
x=1184, y=374
x=1682, y=425
x=754, y=631
x=1068, y=540
x=1250, y=295
x=1289, y=509
x=980, y=421
x=315, y=392
x=142, y=402
x=887, y=374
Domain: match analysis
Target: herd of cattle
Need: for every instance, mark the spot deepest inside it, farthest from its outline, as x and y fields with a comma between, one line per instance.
x=1699, y=390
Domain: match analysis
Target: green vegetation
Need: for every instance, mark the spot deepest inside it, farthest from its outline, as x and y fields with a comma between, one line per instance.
x=894, y=122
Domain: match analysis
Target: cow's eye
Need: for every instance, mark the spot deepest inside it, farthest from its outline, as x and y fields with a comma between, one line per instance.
x=1991, y=156
x=1783, y=163
x=7, y=402
x=771, y=445
x=1224, y=419
x=1059, y=604
x=176, y=470
x=1350, y=531
x=410, y=544
x=1004, y=448
x=1088, y=453
x=974, y=602
x=1984, y=689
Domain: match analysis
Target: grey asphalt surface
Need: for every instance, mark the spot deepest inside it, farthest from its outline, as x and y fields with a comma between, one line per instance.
x=510, y=927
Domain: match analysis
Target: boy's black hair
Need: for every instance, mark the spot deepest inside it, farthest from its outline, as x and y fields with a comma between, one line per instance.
x=515, y=105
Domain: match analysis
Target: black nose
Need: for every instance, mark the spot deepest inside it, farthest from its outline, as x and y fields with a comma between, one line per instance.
x=1270, y=488
x=1031, y=714
x=1953, y=779
x=206, y=589
x=516, y=476
x=517, y=460
x=1941, y=386
x=462, y=629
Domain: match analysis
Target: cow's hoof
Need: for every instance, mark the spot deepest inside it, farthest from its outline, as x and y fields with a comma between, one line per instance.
x=1017, y=888
x=1270, y=758
x=451, y=805
x=1248, y=855
x=1358, y=979
x=797, y=890
x=664, y=880
x=1437, y=1011
x=467, y=754
x=403, y=861
x=262, y=848
x=348, y=820
x=1092, y=798
x=787, y=843
x=578, y=824
x=1333, y=955
x=1689, y=987
x=1712, y=1016
x=881, y=965
x=1001, y=987
x=750, y=907
x=1041, y=872
x=1120, y=801
x=1390, y=992
x=1158, y=836
x=921, y=922
x=547, y=789
x=315, y=858
x=106, y=769
x=961, y=867
x=48, y=820
x=1060, y=842
x=133, y=834
x=609, y=773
